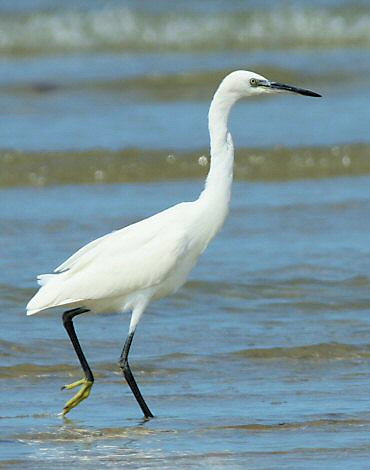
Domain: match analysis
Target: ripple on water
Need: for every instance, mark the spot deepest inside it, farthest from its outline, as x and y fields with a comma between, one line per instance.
x=312, y=352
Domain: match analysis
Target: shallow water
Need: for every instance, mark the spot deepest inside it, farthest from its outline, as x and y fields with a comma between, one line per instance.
x=262, y=359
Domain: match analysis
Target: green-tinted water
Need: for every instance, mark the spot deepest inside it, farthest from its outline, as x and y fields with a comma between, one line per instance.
x=262, y=359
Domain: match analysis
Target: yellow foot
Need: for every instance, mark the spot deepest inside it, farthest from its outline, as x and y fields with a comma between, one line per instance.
x=83, y=393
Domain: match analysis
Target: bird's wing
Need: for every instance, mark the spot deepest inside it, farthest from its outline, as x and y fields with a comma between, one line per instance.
x=115, y=272
x=127, y=239
x=136, y=257
x=85, y=250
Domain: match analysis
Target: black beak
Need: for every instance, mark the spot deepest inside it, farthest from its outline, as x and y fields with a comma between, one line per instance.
x=293, y=89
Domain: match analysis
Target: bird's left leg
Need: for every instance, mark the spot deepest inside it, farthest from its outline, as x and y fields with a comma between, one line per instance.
x=87, y=382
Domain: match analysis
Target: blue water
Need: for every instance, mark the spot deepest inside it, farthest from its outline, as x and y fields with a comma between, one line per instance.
x=84, y=118
x=262, y=359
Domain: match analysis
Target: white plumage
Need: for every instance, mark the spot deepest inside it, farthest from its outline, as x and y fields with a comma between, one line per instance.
x=128, y=268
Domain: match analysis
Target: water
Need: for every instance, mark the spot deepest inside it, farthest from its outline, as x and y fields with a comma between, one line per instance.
x=262, y=359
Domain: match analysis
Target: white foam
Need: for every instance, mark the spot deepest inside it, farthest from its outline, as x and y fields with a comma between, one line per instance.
x=127, y=29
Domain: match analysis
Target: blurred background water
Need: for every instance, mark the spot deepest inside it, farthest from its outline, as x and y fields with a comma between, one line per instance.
x=262, y=359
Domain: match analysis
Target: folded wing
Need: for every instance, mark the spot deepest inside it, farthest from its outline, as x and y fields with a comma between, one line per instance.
x=136, y=257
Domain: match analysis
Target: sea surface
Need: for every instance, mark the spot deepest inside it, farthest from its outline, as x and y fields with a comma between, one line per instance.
x=262, y=360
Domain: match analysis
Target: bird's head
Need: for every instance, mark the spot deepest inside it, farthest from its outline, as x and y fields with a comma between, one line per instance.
x=243, y=83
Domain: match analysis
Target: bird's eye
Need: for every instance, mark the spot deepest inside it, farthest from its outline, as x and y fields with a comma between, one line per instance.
x=253, y=81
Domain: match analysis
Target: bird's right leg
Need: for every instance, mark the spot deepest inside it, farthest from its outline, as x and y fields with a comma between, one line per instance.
x=87, y=382
x=123, y=362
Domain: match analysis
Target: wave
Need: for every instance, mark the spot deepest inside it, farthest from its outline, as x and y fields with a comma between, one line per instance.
x=69, y=373
x=322, y=351
x=171, y=87
x=135, y=165
x=80, y=434
x=294, y=425
x=127, y=29
x=312, y=352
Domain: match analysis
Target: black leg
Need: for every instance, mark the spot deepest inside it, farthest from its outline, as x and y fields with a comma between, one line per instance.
x=123, y=362
x=68, y=325
x=87, y=382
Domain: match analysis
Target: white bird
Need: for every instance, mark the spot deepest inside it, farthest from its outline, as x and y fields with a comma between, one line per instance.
x=127, y=269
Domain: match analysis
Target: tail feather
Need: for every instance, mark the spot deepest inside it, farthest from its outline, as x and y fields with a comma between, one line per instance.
x=49, y=295
x=43, y=279
x=31, y=309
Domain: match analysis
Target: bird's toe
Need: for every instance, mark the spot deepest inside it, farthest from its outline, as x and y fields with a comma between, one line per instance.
x=81, y=395
x=74, y=384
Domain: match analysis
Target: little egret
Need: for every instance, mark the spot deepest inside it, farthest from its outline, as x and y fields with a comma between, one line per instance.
x=127, y=269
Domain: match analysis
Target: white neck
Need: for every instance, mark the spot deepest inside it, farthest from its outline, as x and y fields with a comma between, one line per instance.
x=217, y=189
